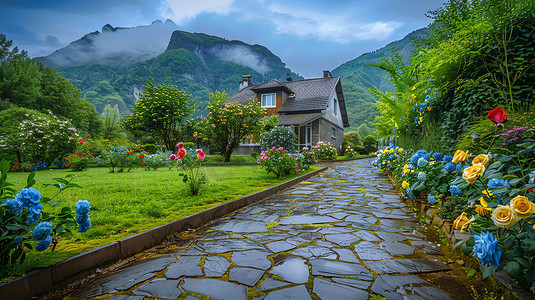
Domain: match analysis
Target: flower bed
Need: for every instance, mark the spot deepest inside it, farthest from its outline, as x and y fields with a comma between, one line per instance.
x=490, y=197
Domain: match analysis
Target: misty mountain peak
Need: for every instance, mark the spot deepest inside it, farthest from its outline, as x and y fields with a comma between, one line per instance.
x=107, y=28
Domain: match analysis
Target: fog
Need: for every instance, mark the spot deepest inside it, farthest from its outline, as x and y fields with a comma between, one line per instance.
x=242, y=55
x=122, y=46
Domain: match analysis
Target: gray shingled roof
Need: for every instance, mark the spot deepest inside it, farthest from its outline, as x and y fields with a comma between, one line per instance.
x=310, y=94
x=243, y=96
x=297, y=119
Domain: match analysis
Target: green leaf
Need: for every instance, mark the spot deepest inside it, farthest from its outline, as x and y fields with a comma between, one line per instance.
x=513, y=169
x=524, y=262
x=16, y=255
x=513, y=268
x=496, y=165
x=489, y=271
x=503, y=158
x=4, y=166
x=530, y=243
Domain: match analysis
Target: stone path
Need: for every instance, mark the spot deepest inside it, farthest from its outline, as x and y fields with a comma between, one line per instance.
x=344, y=234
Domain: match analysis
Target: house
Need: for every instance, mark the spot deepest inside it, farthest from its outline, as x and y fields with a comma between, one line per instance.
x=314, y=107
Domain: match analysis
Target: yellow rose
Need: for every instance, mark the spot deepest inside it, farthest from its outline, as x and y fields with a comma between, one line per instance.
x=504, y=216
x=481, y=159
x=482, y=209
x=405, y=184
x=472, y=173
x=459, y=156
x=460, y=221
x=522, y=206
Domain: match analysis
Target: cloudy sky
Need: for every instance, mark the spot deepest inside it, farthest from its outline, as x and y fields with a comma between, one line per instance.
x=308, y=35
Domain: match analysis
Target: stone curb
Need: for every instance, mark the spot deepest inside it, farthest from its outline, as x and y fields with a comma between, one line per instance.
x=40, y=281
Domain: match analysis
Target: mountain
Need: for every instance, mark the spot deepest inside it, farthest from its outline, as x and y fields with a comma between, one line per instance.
x=112, y=66
x=357, y=77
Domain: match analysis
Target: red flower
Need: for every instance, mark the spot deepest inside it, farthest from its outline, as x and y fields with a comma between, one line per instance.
x=91, y=153
x=141, y=156
x=530, y=190
x=128, y=153
x=142, y=165
x=497, y=115
x=181, y=153
x=200, y=155
x=79, y=157
x=180, y=145
x=78, y=152
x=86, y=139
x=80, y=142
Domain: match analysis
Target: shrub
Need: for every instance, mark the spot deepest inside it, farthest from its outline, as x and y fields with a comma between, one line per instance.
x=120, y=159
x=352, y=137
x=369, y=143
x=155, y=161
x=279, y=162
x=349, y=152
x=255, y=155
x=280, y=136
x=324, y=151
x=190, y=164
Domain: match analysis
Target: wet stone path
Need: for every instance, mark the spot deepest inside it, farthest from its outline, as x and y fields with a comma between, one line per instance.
x=344, y=234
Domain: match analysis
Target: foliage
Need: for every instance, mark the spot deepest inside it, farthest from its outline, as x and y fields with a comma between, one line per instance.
x=350, y=152
x=280, y=162
x=37, y=137
x=19, y=212
x=27, y=83
x=155, y=160
x=324, y=151
x=190, y=164
x=369, y=143
x=82, y=156
x=110, y=120
x=354, y=137
x=120, y=158
x=160, y=112
x=270, y=122
x=227, y=124
x=280, y=136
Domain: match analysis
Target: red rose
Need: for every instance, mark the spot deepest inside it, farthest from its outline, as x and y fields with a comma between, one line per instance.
x=141, y=156
x=181, y=153
x=128, y=153
x=497, y=115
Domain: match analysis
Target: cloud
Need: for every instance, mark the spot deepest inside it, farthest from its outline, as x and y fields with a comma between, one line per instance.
x=184, y=10
x=243, y=56
x=338, y=27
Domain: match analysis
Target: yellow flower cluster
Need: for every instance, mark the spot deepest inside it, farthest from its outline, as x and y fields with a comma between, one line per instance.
x=507, y=216
x=479, y=164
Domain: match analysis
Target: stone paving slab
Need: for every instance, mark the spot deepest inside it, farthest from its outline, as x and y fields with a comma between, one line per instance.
x=344, y=233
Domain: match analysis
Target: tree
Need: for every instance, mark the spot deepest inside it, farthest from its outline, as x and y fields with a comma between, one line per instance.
x=161, y=112
x=364, y=130
x=110, y=122
x=352, y=137
x=228, y=123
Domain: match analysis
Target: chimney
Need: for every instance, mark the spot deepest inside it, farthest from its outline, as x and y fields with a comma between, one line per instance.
x=327, y=74
x=245, y=81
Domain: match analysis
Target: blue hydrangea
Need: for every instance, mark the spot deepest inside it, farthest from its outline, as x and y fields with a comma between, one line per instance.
x=391, y=157
x=414, y=158
x=422, y=176
x=42, y=230
x=431, y=199
x=495, y=182
x=437, y=156
x=424, y=154
x=486, y=249
x=388, y=166
x=411, y=167
x=447, y=158
x=44, y=244
x=449, y=167
x=15, y=206
x=455, y=191
x=28, y=196
x=422, y=162
x=18, y=240
x=458, y=168
x=82, y=207
x=35, y=213
x=417, y=118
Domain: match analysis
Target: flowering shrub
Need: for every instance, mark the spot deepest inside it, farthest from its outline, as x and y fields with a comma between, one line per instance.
x=279, y=162
x=28, y=166
x=308, y=156
x=21, y=211
x=280, y=136
x=349, y=152
x=120, y=159
x=154, y=161
x=490, y=194
x=324, y=151
x=190, y=163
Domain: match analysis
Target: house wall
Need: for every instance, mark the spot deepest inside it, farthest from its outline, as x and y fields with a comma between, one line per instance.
x=281, y=96
x=329, y=112
x=325, y=133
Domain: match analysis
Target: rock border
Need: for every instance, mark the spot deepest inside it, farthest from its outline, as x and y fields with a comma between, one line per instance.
x=42, y=280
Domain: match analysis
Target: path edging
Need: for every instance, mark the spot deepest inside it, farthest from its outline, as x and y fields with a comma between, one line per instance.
x=42, y=280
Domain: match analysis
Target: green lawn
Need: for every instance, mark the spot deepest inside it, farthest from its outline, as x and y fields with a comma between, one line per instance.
x=123, y=204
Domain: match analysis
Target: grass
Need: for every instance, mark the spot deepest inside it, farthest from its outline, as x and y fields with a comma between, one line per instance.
x=123, y=204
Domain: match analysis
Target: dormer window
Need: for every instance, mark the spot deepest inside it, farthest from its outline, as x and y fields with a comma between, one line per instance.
x=335, y=107
x=269, y=100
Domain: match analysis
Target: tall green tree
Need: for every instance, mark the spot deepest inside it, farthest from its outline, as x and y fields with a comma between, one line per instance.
x=161, y=112
x=227, y=124
x=110, y=120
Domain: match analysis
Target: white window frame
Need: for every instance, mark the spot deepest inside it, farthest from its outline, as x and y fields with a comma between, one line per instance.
x=273, y=100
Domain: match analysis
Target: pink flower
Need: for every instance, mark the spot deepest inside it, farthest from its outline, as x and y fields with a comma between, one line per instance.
x=200, y=155
x=297, y=170
x=261, y=159
x=180, y=145
x=267, y=158
x=273, y=149
x=172, y=157
x=280, y=149
x=284, y=151
x=181, y=153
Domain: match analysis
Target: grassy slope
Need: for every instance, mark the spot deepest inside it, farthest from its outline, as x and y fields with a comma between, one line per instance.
x=127, y=203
